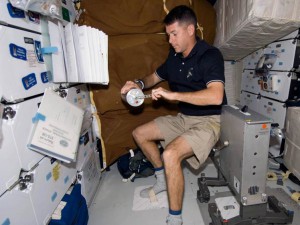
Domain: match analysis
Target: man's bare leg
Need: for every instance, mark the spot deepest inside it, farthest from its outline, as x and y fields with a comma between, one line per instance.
x=146, y=137
x=173, y=155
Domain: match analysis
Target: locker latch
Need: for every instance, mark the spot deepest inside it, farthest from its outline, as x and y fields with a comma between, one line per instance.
x=8, y=113
x=62, y=93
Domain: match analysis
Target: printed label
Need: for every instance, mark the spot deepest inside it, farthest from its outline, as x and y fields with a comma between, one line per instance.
x=28, y=40
x=29, y=81
x=44, y=77
x=38, y=52
x=17, y=52
x=31, y=58
x=15, y=12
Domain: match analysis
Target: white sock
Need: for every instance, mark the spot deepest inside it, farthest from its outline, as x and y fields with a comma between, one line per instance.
x=174, y=219
x=158, y=187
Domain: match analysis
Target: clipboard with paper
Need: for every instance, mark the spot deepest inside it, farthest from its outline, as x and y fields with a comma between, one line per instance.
x=56, y=128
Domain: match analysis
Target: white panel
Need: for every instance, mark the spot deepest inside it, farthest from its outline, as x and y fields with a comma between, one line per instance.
x=17, y=17
x=79, y=96
x=250, y=82
x=85, y=149
x=14, y=153
x=89, y=177
x=285, y=52
x=249, y=100
x=16, y=208
x=250, y=61
x=231, y=74
x=23, y=72
x=275, y=86
x=272, y=109
x=51, y=181
x=9, y=163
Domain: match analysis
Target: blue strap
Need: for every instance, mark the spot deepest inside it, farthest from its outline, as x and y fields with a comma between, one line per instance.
x=37, y=117
x=49, y=50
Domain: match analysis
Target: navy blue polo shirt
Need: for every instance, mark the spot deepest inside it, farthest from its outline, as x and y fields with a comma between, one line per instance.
x=203, y=65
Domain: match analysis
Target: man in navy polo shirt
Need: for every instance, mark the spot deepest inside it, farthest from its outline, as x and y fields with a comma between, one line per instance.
x=195, y=73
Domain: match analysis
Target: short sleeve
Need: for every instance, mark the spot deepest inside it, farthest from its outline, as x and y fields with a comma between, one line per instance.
x=161, y=71
x=213, y=66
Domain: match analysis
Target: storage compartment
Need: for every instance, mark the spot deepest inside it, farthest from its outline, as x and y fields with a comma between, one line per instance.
x=251, y=24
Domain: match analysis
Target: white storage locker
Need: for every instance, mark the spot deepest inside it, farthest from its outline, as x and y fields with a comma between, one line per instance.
x=86, y=147
x=17, y=17
x=250, y=61
x=251, y=24
x=24, y=72
x=77, y=95
x=273, y=109
x=276, y=85
x=9, y=164
x=16, y=208
x=89, y=177
x=52, y=179
x=14, y=154
x=250, y=100
x=285, y=52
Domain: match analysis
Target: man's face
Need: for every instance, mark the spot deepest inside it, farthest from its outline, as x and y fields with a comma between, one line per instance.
x=179, y=36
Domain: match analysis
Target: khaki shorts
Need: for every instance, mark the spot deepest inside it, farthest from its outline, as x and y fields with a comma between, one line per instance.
x=201, y=132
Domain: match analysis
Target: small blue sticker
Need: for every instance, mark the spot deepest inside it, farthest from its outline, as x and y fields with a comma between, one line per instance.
x=37, y=117
x=29, y=81
x=44, y=77
x=48, y=176
x=18, y=52
x=6, y=222
x=15, y=12
x=38, y=51
x=53, y=197
x=66, y=179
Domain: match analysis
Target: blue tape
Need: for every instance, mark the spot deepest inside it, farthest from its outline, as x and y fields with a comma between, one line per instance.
x=53, y=197
x=49, y=50
x=38, y=116
x=6, y=222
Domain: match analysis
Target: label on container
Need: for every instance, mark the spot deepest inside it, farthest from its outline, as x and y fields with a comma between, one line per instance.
x=29, y=81
x=18, y=52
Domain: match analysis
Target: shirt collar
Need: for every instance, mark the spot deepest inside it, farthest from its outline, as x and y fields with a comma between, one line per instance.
x=200, y=47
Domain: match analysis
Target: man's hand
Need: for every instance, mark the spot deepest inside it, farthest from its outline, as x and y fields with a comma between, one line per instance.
x=128, y=86
x=163, y=93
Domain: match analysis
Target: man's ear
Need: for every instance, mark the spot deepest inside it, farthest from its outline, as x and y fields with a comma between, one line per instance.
x=191, y=29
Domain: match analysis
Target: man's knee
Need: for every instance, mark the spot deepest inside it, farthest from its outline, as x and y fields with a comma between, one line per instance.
x=138, y=133
x=170, y=157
